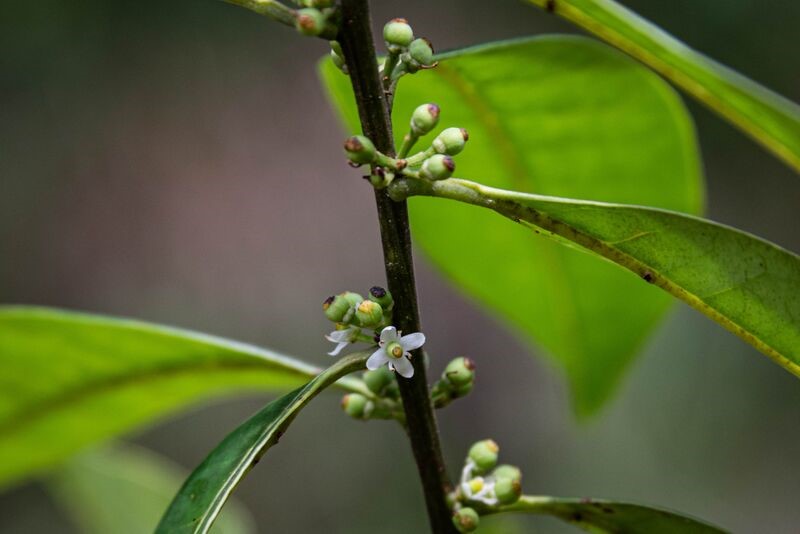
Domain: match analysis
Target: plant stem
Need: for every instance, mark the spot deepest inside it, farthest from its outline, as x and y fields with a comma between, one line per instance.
x=355, y=36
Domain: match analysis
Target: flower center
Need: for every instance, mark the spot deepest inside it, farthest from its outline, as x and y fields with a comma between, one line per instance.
x=395, y=350
x=476, y=485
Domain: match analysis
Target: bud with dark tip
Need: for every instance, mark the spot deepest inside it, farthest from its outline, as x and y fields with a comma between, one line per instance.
x=356, y=406
x=424, y=119
x=451, y=141
x=507, y=490
x=310, y=21
x=382, y=297
x=459, y=372
x=360, y=150
x=421, y=51
x=437, y=167
x=378, y=380
x=398, y=35
x=484, y=455
x=466, y=519
x=369, y=314
x=335, y=308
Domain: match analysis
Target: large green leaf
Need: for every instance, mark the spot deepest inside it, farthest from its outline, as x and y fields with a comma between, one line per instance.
x=202, y=496
x=612, y=517
x=764, y=115
x=748, y=285
x=564, y=116
x=69, y=379
x=125, y=489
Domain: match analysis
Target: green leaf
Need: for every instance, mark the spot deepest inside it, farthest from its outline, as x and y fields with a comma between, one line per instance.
x=746, y=284
x=767, y=117
x=563, y=116
x=204, y=493
x=125, y=489
x=612, y=517
x=70, y=379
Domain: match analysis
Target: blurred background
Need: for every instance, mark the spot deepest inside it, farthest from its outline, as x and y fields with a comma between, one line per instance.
x=177, y=162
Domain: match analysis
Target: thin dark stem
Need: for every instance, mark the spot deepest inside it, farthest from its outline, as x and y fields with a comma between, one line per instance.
x=355, y=36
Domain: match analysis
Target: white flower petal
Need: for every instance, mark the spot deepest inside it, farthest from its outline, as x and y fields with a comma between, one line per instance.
x=339, y=336
x=389, y=334
x=412, y=341
x=378, y=358
x=338, y=349
x=404, y=367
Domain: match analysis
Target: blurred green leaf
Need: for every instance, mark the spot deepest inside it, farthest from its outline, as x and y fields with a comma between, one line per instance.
x=563, y=116
x=69, y=379
x=767, y=117
x=124, y=489
x=748, y=285
x=205, y=492
x=612, y=517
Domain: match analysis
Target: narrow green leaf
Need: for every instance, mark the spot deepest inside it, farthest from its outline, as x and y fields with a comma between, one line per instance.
x=70, y=379
x=612, y=517
x=561, y=116
x=202, y=496
x=746, y=284
x=124, y=489
x=767, y=117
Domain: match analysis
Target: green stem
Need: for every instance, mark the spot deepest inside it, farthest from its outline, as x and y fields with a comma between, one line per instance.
x=388, y=69
x=409, y=140
x=279, y=13
x=359, y=51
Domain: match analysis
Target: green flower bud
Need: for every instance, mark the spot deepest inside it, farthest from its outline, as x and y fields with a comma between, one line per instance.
x=378, y=380
x=451, y=141
x=507, y=471
x=463, y=391
x=353, y=298
x=335, y=308
x=356, y=406
x=507, y=490
x=466, y=519
x=424, y=119
x=319, y=4
x=369, y=313
x=398, y=34
x=459, y=372
x=309, y=21
x=359, y=149
x=392, y=390
x=382, y=297
x=437, y=167
x=338, y=61
x=484, y=455
x=421, y=51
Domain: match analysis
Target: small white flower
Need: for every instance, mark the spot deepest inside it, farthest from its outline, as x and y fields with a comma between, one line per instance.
x=342, y=338
x=477, y=488
x=395, y=351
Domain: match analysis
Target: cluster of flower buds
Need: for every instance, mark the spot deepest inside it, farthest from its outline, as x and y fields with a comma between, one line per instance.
x=484, y=484
x=406, y=54
x=314, y=17
x=352, y=313
x=434, y=163
x=457, y=381
x=385, y=400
